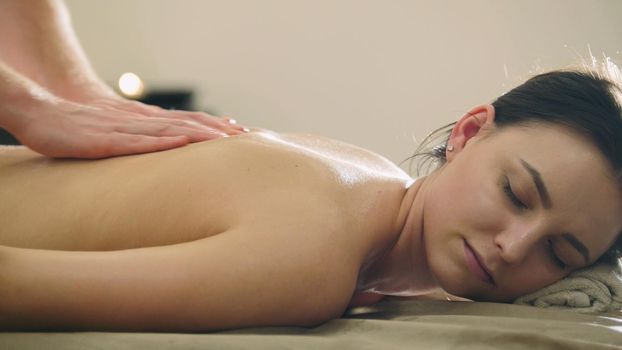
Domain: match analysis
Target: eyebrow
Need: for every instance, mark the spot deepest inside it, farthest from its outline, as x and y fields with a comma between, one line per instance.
x=545, y=199
x=580, y=247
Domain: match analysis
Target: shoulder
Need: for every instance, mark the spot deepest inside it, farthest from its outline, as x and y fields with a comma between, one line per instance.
x=347, y=152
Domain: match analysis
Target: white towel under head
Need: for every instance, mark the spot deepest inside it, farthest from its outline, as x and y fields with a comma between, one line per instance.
x=597, y=288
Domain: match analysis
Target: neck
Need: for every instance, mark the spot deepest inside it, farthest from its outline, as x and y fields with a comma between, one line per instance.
x=402, y=268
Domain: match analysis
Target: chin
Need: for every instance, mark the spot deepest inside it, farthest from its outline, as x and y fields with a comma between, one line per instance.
x=465, y=288
x=449, y=275
x=461, y=291
x=454, y=285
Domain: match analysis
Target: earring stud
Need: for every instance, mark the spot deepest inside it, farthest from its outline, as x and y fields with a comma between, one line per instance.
x=450, y=148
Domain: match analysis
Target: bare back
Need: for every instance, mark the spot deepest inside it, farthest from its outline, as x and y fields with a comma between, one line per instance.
x=294, y=183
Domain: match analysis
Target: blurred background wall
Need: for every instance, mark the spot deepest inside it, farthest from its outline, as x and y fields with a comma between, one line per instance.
x=380, y=74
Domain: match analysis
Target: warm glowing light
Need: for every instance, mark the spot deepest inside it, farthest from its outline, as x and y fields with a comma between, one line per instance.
x=131, y=85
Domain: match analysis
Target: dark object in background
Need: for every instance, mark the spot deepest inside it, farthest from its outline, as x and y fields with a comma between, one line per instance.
x=168, y=99
x=7, y=139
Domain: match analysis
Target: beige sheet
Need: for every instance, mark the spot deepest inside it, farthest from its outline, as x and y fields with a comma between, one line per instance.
x=412, y=324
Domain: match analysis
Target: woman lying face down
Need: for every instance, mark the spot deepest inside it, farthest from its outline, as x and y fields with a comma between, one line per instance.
x=529, y=191
x=517, y=209
x=292, y=230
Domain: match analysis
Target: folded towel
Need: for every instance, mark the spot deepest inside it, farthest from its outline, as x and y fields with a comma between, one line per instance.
x=596, y=288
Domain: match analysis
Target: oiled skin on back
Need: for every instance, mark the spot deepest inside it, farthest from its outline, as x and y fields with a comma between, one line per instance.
x=194, y=192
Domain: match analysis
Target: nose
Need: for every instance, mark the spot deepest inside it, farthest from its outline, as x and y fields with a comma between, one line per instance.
x=515, y=244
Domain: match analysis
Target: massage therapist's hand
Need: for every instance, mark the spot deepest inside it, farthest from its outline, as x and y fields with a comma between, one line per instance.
x=65, y=129
x=52, y=100
x=225, y=125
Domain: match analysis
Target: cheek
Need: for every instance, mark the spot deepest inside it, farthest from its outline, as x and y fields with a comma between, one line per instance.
x=526, y=281
x=537, y=271
x=467, y=201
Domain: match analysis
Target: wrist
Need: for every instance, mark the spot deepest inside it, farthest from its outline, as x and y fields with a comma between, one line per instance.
x=26, y=108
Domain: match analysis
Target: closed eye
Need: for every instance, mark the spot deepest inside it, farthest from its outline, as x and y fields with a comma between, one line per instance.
x=551, y=250
x=507, y=188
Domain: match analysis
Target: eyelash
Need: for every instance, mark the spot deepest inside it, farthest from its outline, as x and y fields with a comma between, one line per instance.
x=510, y=194
x=517, y=203
x=557, y=260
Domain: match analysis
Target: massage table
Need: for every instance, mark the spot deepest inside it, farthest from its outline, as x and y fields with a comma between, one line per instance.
x=389, y=324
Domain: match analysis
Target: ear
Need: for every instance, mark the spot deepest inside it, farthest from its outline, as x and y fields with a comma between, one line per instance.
x=475, y=123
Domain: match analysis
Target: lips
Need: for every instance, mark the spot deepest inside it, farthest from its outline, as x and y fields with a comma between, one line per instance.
x=476, y=266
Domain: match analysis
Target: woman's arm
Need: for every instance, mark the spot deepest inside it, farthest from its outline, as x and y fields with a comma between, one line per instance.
x=230, y=280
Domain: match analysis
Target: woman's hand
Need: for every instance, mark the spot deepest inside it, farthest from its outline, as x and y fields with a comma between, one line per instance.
x=112, y=127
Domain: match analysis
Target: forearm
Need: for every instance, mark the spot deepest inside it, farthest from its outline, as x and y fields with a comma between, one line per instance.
x=208, y=284
x=38, y=41
x=20, y=98
x=26, y=287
